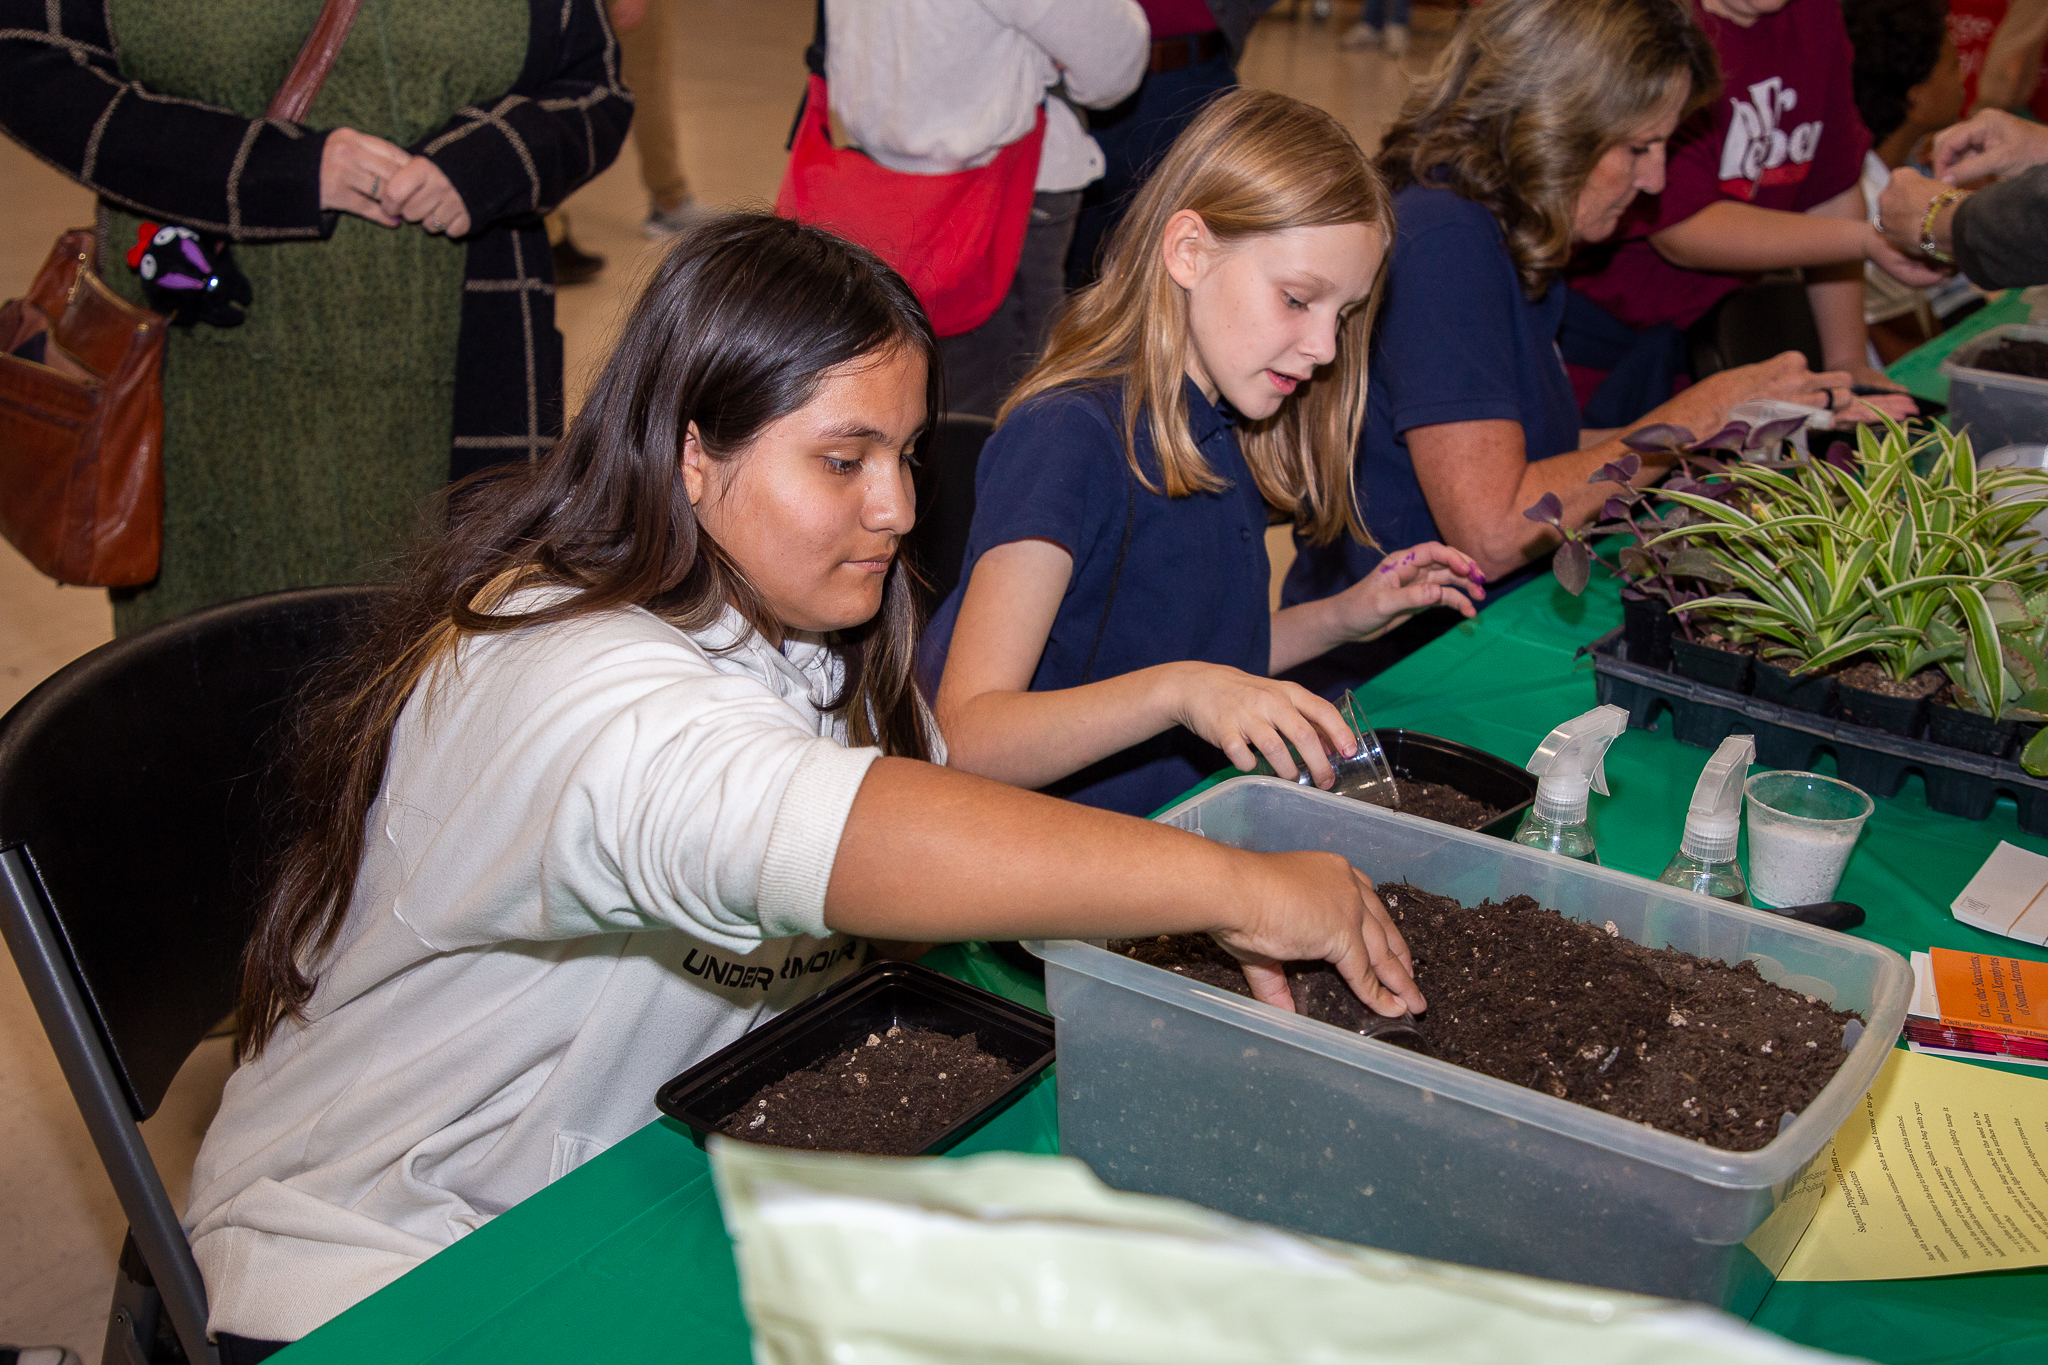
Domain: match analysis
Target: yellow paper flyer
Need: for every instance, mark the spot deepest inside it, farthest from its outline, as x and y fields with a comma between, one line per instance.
x=1943, y=1170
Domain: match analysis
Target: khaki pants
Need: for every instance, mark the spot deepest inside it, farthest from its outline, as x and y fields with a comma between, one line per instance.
x=646, y=64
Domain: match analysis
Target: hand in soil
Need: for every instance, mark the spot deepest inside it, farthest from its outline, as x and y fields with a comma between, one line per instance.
x=1663, y=1038
x=1320, y=909
x=887, y=1095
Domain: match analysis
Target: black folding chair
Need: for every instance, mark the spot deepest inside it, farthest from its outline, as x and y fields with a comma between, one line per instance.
x=134, y=786
x=945, y=502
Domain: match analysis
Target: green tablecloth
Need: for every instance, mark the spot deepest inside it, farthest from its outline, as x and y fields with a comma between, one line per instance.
x=626, y=1259
x=1919, y=369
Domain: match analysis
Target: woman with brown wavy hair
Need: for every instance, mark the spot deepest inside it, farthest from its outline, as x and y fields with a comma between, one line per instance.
x=1540, y=123
x=630, y=762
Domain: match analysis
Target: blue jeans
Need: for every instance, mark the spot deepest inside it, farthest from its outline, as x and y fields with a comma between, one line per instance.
x=1380, y=13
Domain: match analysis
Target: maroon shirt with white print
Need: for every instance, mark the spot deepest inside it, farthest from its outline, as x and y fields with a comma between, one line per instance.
x=1784, y=134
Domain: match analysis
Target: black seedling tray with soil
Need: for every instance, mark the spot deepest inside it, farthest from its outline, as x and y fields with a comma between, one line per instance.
x=1653, y=1035
x=1958, y=782
x=1492, y=782
x=835, y=1071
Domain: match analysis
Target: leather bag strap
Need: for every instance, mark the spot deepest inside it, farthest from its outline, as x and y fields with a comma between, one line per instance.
x=316, y=59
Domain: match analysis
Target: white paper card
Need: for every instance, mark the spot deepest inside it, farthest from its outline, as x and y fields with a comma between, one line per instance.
x=2009, y=895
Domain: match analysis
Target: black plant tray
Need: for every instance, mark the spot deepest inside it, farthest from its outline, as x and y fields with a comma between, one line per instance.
x=872, y=1000
x=1480, y=775
x=1958, y=782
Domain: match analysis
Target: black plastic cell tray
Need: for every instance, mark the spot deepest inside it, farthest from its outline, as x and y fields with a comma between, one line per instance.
x=1958, y=783
x=1475, y=772
x=872, y=1000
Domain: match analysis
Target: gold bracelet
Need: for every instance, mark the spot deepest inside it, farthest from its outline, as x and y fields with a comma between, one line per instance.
x=1934, y=208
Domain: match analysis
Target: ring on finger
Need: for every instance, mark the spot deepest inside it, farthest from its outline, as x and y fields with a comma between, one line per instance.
x=376, y=184
x=433, y=224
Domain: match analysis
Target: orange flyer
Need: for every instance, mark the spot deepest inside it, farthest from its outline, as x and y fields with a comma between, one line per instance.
x=1985, y=991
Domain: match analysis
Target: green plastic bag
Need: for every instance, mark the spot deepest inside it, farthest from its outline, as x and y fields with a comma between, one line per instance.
x=1021, y=1260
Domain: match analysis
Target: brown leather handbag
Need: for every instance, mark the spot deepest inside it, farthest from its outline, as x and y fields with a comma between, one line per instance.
x=81, y=394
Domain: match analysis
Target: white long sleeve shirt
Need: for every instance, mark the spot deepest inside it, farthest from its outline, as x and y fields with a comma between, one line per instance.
x=935, y=86
x=600, y=853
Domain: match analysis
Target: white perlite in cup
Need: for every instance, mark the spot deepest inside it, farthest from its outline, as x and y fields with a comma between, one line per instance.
x=1802, y=828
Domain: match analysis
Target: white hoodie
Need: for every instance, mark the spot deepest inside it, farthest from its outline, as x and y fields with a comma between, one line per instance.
x=929, y=87
x=600, y=854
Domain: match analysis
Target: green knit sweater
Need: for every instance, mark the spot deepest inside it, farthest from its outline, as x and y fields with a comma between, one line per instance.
x=300, y=448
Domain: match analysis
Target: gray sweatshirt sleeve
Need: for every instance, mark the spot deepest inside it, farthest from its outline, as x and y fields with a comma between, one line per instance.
x=2001, y=234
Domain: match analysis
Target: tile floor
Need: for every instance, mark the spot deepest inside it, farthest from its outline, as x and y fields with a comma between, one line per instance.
x=738, y=71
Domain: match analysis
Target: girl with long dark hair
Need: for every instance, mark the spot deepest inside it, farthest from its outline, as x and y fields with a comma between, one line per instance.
x=632, y=761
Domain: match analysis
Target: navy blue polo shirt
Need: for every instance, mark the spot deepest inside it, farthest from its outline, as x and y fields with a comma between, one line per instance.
x=1457, y=341
x=1195, y=574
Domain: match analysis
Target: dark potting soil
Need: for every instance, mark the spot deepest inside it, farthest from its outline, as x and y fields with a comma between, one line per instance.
x=1715, y=640
x=889, y=1095
x=1443, y=803
x=1871, y=676
x=2027, y=358
x=1519, y=993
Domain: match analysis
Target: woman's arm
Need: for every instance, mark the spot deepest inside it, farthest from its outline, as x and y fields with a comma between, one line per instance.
x=521, y=154
x=998, y=728
x=1996, y=234
x=62, y=96
x=1478, y=481
x=933, y=855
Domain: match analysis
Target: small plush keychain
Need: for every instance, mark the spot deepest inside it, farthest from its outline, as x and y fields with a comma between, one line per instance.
x=189, y=278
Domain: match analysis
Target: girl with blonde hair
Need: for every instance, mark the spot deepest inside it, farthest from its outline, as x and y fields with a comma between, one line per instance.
x=1111, y=631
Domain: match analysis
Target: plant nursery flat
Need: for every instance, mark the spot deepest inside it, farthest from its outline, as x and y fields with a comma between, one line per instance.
x=889, y=1095
x=1520, y=993
x=1443, y=803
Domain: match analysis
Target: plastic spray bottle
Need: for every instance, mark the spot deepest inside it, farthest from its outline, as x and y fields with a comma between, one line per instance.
x=1567, y=764
x=1705, y=861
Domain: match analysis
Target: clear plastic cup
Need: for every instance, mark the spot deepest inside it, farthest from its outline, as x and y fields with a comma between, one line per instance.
x=1802, y=828
x=1365, y=775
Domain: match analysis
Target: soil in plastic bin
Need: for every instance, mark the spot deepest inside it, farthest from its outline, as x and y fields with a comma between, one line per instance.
x=888, y=1095
x=1519, y=993
x=1443, y=803
x=1871, y=676
x=2027, y=358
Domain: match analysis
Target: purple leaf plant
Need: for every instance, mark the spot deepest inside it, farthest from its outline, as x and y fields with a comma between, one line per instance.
x=1664, y=571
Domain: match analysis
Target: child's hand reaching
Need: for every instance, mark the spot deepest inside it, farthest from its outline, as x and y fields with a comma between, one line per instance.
x=1246, y=716
x=1406, y=582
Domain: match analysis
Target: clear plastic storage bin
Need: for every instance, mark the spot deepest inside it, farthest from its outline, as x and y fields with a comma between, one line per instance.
x=1998, y=409
x=1174, y=1088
